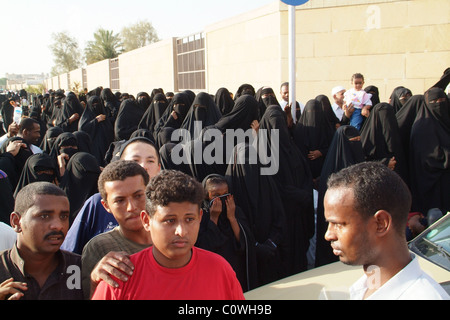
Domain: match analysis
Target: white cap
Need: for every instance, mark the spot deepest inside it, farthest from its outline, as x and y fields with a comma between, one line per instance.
x=337, y=89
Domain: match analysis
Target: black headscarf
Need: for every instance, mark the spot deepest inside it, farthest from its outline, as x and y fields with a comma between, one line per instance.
x=111, y=103
x=71, y=105
x=265, y=102
x=380, y=138
x=80, y=181
x=129, y=116
x=101, y=133
x=313, y=132
x=341, y=154
x=258, y=196
x=154, y=112
x=224, y=101
x=295, y=185
x=181, y=103
x=84, y=141
x=65, y=143
x=203, y=109
x=13, y=166
x=429, y=154
x=7, y=113
x=50, y=138
x=328, y=111
x=6, y=197
x=373, y=90
x=243, y=90
x=245, y=110
x=396, y=97
x=35, y=164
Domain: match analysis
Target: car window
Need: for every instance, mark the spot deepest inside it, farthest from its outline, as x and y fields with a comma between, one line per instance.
x=434, y=243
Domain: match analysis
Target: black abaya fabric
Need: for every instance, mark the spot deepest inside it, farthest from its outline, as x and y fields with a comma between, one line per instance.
x=203, y=110
x=341, y=154
x=245, y=110
x=381, y=141
x=313, y=132
x=80, y=181
x=101, y=133
x=32, y=171
x=71, y=105
x=258, y=196
x=224, y=101
x=181, y=103
x=295, y=185
x=50, y=138
x=13, y=165
x=129, y=116
x=429, y=154
x=6, y=197
x=396, y=96
x=154, y=112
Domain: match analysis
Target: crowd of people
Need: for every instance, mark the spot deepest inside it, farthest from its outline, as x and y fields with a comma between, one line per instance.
x=266, y=227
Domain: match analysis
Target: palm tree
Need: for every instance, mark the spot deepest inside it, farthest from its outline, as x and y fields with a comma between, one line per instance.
x=106, y=45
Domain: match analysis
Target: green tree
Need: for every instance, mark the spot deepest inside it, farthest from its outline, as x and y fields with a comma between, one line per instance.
x=66, y=53
x=138, y=35
x=106, y=45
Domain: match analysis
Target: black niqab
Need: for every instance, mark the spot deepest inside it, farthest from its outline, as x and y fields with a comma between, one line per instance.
x=80, y=181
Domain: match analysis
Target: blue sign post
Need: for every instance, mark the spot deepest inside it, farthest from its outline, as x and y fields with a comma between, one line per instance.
x=292, y=54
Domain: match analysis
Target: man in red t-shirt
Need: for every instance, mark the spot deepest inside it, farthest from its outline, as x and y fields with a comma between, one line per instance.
x=173, y=269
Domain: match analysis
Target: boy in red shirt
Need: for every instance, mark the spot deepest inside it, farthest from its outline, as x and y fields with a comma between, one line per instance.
x=173, y=269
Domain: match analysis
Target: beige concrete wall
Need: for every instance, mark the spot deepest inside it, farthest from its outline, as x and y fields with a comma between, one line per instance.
x=403, y=42
x=98, y=75
x=147, y=68
x=76, y=79
x=64, y=81
x=244, y=49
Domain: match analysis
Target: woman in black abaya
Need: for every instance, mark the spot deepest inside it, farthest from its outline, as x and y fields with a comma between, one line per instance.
x=295, y=184
x=39, y=167
x=49, y=139
x=258, y=196
x=224, y=100
x=68, y=117
x=111, y=103
x=381, y=141
x=345, y=150
x=173, y=117
x=154, y=112
x=429, y=154
x=313, y=135
x=399, y=97
x=80, y=181
x=129, y=116
x=97, y=124
x=203, y=110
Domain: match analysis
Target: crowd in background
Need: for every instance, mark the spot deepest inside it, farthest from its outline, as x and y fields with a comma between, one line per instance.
x=67, y=139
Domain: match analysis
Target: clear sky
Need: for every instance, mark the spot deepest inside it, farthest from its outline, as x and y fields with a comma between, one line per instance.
x=26, y=26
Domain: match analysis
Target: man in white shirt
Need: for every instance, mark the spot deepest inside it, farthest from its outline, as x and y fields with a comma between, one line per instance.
x=296, y=112
x=338, y=96
x=366, y=207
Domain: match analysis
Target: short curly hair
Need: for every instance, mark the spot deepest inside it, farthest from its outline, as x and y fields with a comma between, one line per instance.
x=119, y=171
x=173, y=186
